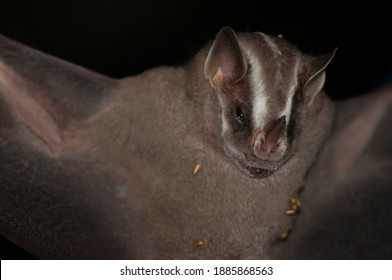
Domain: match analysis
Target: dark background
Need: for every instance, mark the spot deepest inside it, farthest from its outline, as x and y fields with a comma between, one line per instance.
x=121, y=38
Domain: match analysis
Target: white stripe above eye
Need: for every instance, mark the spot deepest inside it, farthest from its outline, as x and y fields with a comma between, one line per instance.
x=260, y=107
x=293, y=86
x=277, y=53
x=259, y=95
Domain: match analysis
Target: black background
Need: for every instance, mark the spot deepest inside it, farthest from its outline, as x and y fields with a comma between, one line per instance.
x=121, y=38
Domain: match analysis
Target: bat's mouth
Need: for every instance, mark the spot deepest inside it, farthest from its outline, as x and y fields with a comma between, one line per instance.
x=258, y=172
x=259, y=168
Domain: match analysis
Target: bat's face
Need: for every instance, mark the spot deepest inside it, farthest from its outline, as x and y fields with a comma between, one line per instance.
x=261, y=82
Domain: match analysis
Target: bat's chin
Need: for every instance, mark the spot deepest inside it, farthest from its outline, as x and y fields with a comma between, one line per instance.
x=255, y=167
x=261, y=170
x=257, y=171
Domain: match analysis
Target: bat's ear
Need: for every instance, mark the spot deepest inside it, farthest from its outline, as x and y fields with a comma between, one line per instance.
x=47, y=94
x=226, y=63
x=316, y=75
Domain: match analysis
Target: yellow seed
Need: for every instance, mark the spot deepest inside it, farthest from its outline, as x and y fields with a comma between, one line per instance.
x=196, y=169
x=284, y=235
x=294, y=207
x=200, y=243
x=293, y=199
x=295, y=203
x=291, y=212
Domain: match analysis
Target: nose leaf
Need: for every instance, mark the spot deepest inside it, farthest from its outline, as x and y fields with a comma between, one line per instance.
x=266, y=142
x=273, y=132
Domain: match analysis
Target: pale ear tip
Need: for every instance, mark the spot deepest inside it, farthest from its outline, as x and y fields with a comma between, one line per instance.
x=226, y=29
x=334, y=52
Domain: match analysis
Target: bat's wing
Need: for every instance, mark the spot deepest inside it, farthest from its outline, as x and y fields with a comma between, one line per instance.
x=45, y=94
x=44, y=103
x=346, y=204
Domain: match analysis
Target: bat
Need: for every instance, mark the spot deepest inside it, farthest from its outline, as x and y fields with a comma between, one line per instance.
x=190, y=162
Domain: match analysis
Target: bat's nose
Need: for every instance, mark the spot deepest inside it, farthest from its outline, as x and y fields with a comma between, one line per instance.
x=267, y=143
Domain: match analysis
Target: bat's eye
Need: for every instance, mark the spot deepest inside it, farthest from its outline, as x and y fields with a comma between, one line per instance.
x=240, y=116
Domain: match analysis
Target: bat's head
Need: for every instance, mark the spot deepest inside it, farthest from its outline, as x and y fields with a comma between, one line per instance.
x=264, y=84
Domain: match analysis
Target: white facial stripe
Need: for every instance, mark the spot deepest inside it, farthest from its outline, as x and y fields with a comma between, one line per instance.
x=274, y=47
x=276, y=54
x=293, y=85
x=225, y=124
x=259, y=95
x=260, y=108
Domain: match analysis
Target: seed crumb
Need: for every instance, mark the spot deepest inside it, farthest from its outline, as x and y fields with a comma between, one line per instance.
x=294, y=202
x=197, y=168
x=200, y=243
x=291, y=212
x=284, y=235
